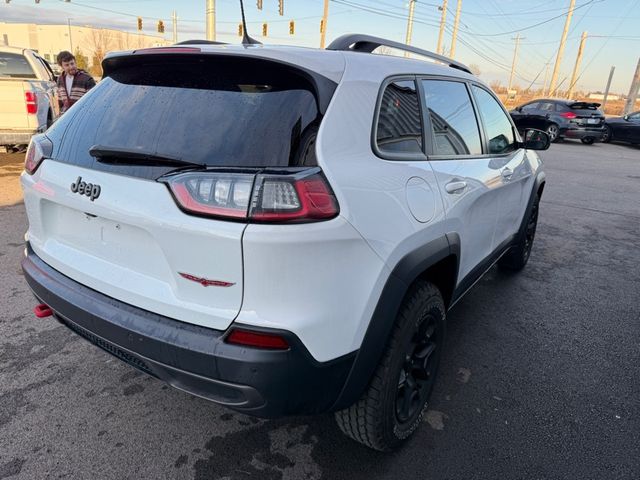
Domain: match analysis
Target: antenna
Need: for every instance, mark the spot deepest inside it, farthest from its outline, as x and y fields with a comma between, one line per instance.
x=246, y=39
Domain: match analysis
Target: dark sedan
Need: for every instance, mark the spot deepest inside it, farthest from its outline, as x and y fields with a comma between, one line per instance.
x=624, y=129
x=561, y=119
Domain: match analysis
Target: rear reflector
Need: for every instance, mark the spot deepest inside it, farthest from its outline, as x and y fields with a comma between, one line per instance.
x=31, y=100
x=257, y=340
x=42, y=311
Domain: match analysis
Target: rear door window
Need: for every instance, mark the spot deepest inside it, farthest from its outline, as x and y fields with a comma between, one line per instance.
x=399, y=129
x=548, y=107
x=14, y=65
x=453, y=121
x=530, y=107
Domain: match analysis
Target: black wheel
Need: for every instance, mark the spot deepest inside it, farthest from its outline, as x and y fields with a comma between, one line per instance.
x=518, y=256
x=553, y=131
x=607, y=136
x=588, y=140
x=391, y=408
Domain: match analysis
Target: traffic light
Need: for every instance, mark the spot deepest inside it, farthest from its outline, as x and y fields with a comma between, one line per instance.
x=292, y=27
x=259, y=4
x=281, y=7
x=160, y=26
x=139, y=23
x=240, y=32
x=265, y=29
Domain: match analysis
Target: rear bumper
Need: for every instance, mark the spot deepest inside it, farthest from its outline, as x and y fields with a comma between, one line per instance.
x=580, y=133
x=190, y=357
x=16, y=137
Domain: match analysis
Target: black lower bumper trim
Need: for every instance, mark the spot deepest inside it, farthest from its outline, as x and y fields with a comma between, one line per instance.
x=190, y=357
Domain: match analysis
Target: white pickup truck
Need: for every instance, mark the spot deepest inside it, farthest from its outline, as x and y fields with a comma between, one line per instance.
x=28, y=95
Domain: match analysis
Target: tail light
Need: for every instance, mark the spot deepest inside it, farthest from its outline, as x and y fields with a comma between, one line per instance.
x=254, y=339
x=31, y=100
x=40, y=148
x=262, y=198
x=568, y=115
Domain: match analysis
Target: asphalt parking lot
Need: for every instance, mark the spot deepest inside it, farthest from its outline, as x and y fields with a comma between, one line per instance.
x=540, y=379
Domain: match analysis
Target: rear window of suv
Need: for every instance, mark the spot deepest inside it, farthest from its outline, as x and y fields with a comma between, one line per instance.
x=14, y=65
x=218, y=111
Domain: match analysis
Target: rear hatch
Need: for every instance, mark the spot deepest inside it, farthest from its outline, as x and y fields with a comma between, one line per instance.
x=586, y=114
x=15, y=74
x=101, y=210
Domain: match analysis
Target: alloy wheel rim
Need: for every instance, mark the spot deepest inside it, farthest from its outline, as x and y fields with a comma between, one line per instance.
x=552, y=131
x=418, y=371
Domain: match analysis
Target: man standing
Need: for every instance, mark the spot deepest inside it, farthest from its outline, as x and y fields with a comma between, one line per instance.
x=73, y=83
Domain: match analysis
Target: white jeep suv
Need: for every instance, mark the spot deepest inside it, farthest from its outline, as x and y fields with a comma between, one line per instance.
x=279, y=230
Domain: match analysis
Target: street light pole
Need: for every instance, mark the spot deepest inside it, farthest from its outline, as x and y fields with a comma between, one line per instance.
x=455, y=30
x=211, y=20
x=70, y=41
x=325, y=15
x=443, y=20
x=412, y=7
x=606, y=90
x=574, y=75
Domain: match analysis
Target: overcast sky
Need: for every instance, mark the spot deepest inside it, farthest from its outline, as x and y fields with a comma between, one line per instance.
x=487, y=29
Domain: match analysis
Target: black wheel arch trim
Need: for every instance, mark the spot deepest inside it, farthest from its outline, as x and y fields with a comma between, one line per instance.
x=406, y=271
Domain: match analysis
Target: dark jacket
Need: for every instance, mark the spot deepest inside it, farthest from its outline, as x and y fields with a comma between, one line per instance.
x=82, y=83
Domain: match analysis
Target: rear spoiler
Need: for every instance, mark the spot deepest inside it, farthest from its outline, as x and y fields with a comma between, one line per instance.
x=584, y=105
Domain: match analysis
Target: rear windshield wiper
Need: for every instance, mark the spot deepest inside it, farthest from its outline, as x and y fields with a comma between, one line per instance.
x=136, y=157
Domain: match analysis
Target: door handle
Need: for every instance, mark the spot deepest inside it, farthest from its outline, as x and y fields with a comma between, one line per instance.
x=506, y=173
x=455, y=187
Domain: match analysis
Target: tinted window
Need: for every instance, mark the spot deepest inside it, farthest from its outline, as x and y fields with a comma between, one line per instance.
x=547, y=107
x=15, y=66
x=496, y=123
x=452, y=118
x=530, y=107
x=399, y=120
x=224, y=112
x=634, y=117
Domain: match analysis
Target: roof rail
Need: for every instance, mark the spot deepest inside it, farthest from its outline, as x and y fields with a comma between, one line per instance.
x=355, y=42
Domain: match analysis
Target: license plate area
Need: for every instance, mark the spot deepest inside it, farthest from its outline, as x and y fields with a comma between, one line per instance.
x=593, y=121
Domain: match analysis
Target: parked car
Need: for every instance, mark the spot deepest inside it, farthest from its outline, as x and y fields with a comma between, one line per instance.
x=298, y=256
x=624, y=129
x=561, y=119
x=28, y=95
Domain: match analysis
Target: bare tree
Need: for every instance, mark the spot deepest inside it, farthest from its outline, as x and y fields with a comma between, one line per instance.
x=475, y=69
x=99, y=42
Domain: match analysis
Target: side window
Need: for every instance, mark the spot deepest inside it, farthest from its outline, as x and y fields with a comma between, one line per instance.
x=453, y=121
x=547, y=107
x=530, y=107
x=634, y=117
x=496, y=123
x=399, y=120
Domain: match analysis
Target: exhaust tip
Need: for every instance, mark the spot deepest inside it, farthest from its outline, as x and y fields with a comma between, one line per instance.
x=42, y=311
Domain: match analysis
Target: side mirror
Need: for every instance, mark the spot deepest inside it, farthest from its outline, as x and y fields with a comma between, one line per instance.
x=536, y=139
x=518, y=109
x=626, y=117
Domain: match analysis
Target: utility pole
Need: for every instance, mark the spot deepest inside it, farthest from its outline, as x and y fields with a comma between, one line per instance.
x=546, y=77
x=443, y=20
x=412, y=7
x=70, y=41
x=633, y=91
x=563, y=39
x=574, y=75
x=323, y=29
x=513, y=64
x=174, y=20
x=211, y=20
x=455, y=29
x=606, y=90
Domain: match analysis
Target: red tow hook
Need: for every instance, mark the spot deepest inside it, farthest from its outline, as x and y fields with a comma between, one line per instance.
x=42, y=311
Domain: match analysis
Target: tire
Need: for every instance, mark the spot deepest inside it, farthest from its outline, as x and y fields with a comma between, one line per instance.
x=607, y=136
x=553, y=132
x=391, y=408
x=518, y=256
x=588, y=140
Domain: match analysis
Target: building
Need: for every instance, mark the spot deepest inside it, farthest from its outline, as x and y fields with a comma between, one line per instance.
x=600, y=96
x=93, y=43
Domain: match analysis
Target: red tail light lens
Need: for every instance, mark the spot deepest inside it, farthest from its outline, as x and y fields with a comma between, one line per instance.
x=568, y=115
x=257, y=340
x=281, y=198
x=40, y=148
x=31, y=100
